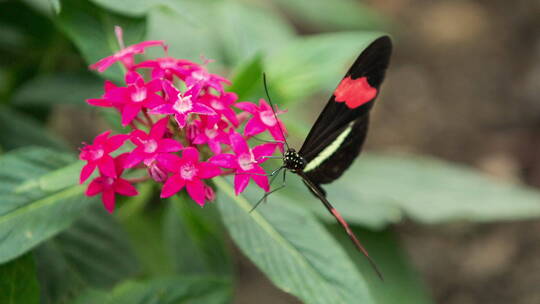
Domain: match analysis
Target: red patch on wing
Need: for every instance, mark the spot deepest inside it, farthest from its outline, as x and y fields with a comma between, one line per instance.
x=354, y=92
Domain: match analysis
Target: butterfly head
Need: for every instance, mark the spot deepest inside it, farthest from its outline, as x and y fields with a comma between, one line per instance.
x=293, y=161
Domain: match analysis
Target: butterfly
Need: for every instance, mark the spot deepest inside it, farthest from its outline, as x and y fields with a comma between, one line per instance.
x=336, y=138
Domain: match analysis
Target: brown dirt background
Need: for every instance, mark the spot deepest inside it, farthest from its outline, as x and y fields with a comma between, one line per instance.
x=464, y=85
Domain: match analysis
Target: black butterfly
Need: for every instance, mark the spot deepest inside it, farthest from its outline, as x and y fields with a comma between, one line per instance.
x=337, y=136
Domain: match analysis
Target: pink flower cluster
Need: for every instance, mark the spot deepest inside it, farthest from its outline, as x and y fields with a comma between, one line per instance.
x=184, y=129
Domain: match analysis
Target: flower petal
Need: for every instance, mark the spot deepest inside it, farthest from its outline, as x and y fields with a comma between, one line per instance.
x=254, y=126
x=264, y=150
x=240, y=183
x=261, y=180
x=129, y=112
x=224, y=160
x=123, y=187
x=247, y=106
x=134, y=158
x=102, y=138
x=109, y=200
x=159, y=128
x=171, y=91
x=190, y=154
x=199, y=108
x=115, y=142
x=86, y=171
x=173, y=184
x=169, y=145
x=171, y=162
x=238, y=143
x=99, y=102
x=106, y=166
x=94, y=187
x=208, y=170
x=196, y=190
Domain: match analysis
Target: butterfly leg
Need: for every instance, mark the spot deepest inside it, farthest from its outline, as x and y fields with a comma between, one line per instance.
x=265, y=196
x=271, y=174
x=269, y=141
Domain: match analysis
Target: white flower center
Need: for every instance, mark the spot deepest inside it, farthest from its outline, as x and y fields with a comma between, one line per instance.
x=168, y=64
x=246, y=161
x=96, y=154
x=183, y=104
x=199, y=75
x=217, y=105
x=139, y=94
x=108, y=182
x=150, y=146
x=211, y=133
x=268, y=118
x=188, y=171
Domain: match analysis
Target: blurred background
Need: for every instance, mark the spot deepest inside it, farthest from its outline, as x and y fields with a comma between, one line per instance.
x=463, y=86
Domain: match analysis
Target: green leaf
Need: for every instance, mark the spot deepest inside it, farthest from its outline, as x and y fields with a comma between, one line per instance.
x=92, y=30
x=39, y=196
x=94, y=252
x=56, y=6
x=135, y=8
x=291, y=248
x=195, y=238
x=245, y=29
x=166, y=290
x=308, y=64
x=333, y=15
x=184, y=27
x=144, y=225
x=19, y=130
x=379, y=190
x=47, y=90
x=433, y=191
x=247, y=78
x=401, y=281
x=18, y=281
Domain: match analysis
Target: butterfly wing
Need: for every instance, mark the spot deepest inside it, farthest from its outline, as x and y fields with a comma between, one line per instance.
x=337, y=136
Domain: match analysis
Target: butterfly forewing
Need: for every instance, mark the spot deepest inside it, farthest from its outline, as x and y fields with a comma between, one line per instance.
x=337, y=136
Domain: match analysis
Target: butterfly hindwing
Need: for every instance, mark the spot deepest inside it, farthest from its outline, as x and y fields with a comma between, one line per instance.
x=337, y=136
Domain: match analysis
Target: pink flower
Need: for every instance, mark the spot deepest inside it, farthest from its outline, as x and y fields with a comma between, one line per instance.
x=200, y=76
x=245, y=161
x=125, y=55
x=108, y=186
x=150, y=145
x=167, y=67
x=181, y=105
x=132, y=99
x=97, y=155
x=188, y=172
x=212, y=133
x=222, y=105
x=263, y=119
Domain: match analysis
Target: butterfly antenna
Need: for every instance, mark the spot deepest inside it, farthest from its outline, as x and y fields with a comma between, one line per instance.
x=273, y=110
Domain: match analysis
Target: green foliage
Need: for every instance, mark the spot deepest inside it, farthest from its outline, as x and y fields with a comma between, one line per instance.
x=164, y=290
x=18, y=281
x=92, y=31
x=173, y=251
x=49, y=90
x=333, y=15
x=400, y=280
x=195, y=238
x=93, y=253
x=292, y=249
x=40, y=197
x=19, y=130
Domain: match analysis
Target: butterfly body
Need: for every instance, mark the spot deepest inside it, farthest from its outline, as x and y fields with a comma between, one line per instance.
x=293, y=162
